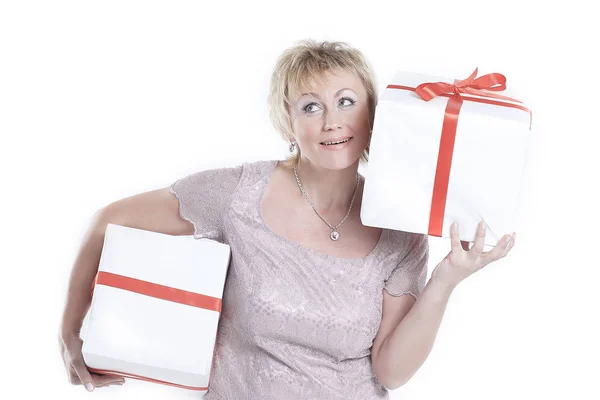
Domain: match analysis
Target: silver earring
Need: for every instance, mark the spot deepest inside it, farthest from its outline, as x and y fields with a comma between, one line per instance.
x=292, y=146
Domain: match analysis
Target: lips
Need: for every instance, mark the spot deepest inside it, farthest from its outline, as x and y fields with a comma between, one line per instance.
x=338, y=139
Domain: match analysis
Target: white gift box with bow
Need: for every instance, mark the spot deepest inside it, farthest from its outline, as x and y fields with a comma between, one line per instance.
x=485, y=161
x=156, y=307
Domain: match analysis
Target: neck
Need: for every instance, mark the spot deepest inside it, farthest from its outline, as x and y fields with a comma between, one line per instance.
x=331, y=191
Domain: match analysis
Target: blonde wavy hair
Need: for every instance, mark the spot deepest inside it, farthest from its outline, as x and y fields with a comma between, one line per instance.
x=300, y=66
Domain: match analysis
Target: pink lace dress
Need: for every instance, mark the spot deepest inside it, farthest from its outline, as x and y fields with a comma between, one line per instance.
x=295, y=323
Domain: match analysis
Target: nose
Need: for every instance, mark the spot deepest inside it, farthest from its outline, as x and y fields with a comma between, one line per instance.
x=332, y=121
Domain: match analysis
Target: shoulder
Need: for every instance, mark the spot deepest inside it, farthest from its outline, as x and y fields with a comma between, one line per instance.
x=404, y=243
x=406, y=237
x=208, y=179
x=255, y=171
x=225, y=177
x=259, y=166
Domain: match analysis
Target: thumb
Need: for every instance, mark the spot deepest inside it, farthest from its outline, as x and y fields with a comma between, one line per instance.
x=83, y=373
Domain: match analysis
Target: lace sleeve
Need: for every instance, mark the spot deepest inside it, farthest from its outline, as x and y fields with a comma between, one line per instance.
x=204, y=198
x=410, y=273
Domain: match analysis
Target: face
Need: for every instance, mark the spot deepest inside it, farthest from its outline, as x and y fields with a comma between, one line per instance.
x=336, y=110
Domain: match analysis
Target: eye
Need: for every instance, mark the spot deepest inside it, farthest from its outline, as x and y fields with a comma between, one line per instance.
x=349, y=99
x=306, y=107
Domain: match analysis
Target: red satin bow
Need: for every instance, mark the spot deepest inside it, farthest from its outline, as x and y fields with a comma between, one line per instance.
x=476, y=86
x=481, y=87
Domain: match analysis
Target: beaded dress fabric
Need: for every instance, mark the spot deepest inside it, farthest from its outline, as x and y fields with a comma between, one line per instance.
x=295, y=323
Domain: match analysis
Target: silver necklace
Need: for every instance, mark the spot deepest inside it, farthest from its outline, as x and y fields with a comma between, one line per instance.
x=335, y=235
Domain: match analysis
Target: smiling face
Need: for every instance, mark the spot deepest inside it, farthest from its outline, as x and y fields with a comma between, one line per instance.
x=335, y=110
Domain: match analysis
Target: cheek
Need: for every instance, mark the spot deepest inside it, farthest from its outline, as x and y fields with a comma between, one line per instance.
x=359, y=120
x=306, y=126
x=356, y=119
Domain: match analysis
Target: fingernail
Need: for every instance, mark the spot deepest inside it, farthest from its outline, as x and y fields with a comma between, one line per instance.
x=483, y=225
x=508, y=242
x=89, y=387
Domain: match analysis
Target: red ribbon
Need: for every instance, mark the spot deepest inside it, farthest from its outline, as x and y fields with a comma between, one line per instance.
x=156, y=290
x=475, y=86
x=161, y=292
x=145, y=378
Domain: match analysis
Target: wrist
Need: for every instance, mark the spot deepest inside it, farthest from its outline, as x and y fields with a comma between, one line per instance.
x=443, y=286
x=441, y=281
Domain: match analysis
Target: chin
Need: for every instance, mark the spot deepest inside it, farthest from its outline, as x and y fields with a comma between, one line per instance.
x=339, y=161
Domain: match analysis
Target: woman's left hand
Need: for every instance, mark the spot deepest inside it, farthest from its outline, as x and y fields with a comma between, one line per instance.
x=462, y=262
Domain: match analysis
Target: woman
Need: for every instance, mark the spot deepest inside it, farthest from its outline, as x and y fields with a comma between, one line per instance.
x=316, y=305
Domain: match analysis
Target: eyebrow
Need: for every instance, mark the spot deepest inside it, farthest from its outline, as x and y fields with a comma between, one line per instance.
x=316, y=95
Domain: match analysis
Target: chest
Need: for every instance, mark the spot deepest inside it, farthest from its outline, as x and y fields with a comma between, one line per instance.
x=287, y=301
x=291, y=288
x=297, y=222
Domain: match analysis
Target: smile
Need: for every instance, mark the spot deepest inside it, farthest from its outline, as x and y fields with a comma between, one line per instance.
x=333, y=143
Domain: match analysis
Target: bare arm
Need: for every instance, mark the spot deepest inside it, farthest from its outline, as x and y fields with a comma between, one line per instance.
x=157, y=211
x=407, y=347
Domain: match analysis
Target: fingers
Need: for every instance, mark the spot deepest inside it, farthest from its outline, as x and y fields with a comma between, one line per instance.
x=508, y=243
x=73, y=378
x=111, y=384
x=82, y=372
x=96, y=380
x=106, y=380
x=457, y=244
x=455, y=238
x=501, y=249
x=78, y=372
x=477, y=248
x=74, y=360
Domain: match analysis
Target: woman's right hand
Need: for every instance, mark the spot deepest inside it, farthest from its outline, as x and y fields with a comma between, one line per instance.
x=70, y=348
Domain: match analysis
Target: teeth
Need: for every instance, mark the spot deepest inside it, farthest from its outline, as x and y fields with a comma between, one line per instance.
x=338, y=142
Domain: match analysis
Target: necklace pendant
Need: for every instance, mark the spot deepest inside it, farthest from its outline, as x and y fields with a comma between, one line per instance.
x=334, y=235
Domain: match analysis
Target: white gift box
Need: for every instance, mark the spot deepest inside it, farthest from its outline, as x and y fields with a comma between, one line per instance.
x=156, y=307
x=483, y=161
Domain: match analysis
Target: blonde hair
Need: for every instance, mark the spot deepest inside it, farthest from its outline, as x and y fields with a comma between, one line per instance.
x=300, y=66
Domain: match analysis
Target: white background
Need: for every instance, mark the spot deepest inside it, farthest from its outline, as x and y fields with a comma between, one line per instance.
x=103, y=100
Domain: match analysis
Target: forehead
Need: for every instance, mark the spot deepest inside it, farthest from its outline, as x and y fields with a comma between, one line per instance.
x=328, y=83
